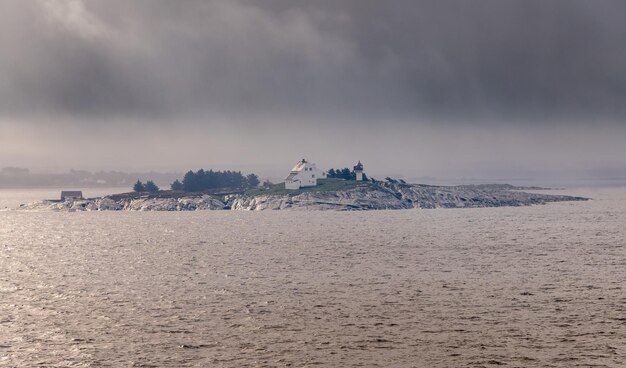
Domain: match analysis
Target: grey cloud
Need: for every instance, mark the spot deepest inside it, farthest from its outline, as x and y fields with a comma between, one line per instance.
x=450, y=59
x=476, y=89
x=154, y=57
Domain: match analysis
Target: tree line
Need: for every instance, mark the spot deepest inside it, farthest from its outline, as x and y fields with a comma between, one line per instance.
x=204, y=180
x=149, y=186
x=344, y=173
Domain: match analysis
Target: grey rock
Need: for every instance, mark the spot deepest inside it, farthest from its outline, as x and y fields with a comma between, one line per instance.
x=387, y=195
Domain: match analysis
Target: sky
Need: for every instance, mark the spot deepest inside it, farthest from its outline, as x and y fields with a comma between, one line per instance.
x=482, y=89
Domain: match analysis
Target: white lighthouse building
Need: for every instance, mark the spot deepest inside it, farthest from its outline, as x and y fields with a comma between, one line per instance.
x=358, y=170
x=304, y=174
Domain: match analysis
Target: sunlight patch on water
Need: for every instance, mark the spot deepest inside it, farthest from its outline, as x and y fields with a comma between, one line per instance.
x=531, y=286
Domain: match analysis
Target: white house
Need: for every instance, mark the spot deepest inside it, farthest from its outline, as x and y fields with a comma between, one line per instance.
x=304, y=174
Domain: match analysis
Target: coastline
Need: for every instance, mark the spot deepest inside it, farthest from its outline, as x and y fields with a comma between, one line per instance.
x=386, y=195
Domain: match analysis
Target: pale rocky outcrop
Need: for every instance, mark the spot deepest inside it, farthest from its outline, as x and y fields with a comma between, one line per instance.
x=360, y=198
x=379, y=196
x=195, y=203
x=397, y=195
x=174, y=204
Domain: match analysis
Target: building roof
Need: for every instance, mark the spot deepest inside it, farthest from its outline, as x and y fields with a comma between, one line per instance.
x=300, y=165
x=358, y=166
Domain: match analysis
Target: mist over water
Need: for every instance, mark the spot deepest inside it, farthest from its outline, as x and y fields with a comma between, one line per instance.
x=485, y=90
x=538, y=286
x=444, y=92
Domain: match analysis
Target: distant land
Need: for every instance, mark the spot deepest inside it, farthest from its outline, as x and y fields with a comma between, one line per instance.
x=18, y=177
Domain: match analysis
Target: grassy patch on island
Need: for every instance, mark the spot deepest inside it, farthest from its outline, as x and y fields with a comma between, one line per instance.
x=323, y=185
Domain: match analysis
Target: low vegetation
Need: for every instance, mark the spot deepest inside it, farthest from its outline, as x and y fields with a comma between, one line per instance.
x=323, y=185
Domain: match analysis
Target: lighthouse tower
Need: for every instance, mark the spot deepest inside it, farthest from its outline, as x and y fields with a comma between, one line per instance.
x=358, y=170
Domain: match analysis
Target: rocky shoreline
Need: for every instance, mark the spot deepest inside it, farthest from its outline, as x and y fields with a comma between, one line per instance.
x=366, y=196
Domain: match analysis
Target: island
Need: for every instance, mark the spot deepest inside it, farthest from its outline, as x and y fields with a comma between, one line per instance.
x=328, y=194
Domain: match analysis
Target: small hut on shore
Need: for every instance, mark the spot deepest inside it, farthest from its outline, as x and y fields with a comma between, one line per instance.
x=71, y=194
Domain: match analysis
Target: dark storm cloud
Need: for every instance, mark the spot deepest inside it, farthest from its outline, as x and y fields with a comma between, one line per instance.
x=533, y=59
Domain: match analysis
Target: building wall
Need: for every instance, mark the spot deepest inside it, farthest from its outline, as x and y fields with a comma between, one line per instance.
x=292, y=184
x=71, y=195
x=310, y=175
x=305, y=178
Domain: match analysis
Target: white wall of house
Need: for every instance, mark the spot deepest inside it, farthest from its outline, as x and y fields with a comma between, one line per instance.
x=292, y=184
x=304, y=174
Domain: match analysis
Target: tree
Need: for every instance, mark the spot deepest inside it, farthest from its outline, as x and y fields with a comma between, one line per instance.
x=139, y=187
x=252, y=180
x=190, y=183
x=204, y=180
x=346, y=174
x=151, y=187
x=177, y=185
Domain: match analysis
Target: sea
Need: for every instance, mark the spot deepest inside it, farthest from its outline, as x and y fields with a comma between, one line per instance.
x=538, y=286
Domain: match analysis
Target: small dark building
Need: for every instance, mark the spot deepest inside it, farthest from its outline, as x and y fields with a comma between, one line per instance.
x=71, y=194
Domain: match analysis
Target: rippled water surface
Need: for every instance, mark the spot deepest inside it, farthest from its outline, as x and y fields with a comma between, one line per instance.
x=536, y=286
